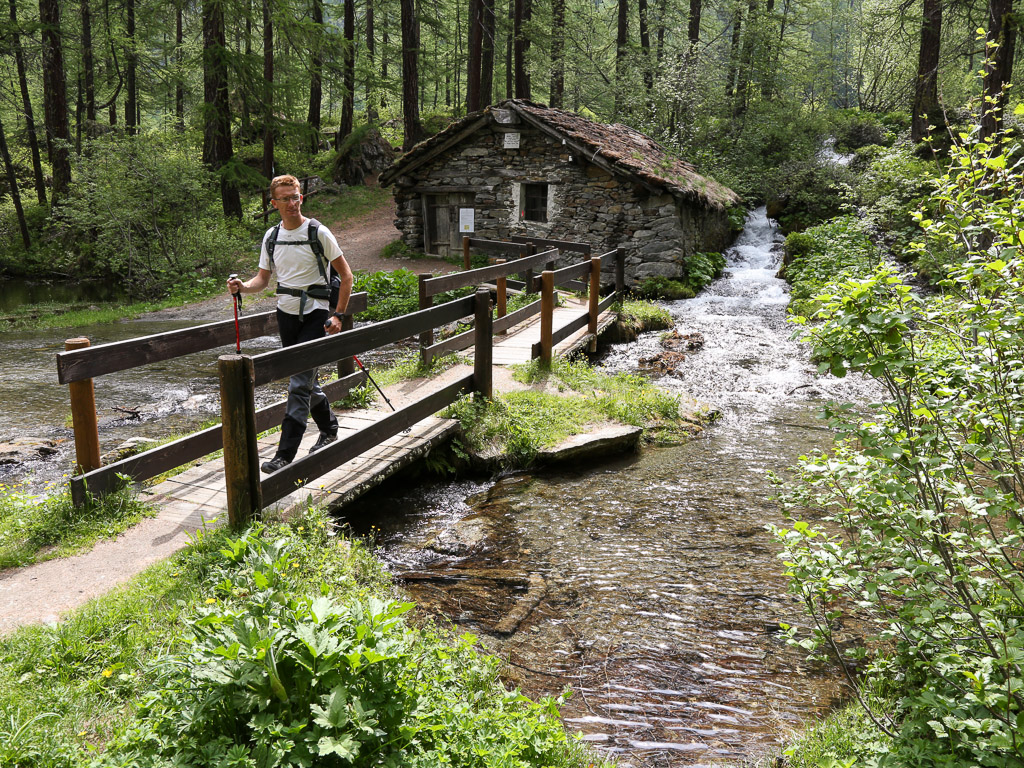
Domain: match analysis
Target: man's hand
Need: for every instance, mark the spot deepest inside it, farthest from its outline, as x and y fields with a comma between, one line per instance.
x=333, y=325
x=234, y=284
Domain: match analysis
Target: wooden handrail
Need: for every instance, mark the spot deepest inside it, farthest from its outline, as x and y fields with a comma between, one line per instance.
x=90, y=362
x=562, y=245
x=432, y=286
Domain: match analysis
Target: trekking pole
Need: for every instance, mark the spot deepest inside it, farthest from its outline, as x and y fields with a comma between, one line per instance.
x=363, y=369
x=238, y=304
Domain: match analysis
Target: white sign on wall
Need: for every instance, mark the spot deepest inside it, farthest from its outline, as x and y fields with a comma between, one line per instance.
x=511, y=141
x=466, y=223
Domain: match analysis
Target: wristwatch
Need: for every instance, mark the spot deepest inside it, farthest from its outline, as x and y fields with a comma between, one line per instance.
x=338, y=315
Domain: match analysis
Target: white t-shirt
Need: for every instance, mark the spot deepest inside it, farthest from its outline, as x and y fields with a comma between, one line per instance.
x=295, y=265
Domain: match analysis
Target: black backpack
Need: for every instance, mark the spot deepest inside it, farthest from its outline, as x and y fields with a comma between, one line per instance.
x=327, y=272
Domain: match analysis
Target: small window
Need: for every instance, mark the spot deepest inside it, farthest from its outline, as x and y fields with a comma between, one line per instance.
x=535, y=202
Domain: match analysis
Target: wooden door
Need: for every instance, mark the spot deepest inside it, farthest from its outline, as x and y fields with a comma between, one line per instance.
x=441, y=235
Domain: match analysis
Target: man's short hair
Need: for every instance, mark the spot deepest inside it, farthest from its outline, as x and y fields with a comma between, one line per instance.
x=283, y=181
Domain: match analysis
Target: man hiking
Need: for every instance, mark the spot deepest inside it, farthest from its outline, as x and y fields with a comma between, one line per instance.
x=303, y=255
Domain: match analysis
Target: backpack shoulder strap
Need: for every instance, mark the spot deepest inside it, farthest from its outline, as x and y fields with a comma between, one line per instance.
x=271, y=243
x=318, y=248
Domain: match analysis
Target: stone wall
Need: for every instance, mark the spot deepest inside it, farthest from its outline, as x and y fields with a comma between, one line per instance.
x=586, y=204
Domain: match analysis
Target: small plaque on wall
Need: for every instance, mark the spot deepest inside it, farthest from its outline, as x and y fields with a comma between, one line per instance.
x=511, y=141
x=466, y=220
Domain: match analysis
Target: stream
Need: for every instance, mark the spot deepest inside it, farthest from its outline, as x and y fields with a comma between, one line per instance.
x=647, y=584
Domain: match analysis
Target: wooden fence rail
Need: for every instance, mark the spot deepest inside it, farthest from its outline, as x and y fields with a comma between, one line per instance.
x=240, y=374
x=79, y=366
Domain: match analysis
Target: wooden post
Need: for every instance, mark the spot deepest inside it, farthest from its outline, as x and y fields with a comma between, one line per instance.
x=547, y=311
x=483, y=337
x=83, y=417
x=620, y=271
x=238, y=425
x=466, y=261
x=595, y=292
x=528, y=274
x=502, y=283
x=346, y=365
x=427, y=337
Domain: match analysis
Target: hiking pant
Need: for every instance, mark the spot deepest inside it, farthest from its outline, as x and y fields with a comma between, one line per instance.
x=305, y=398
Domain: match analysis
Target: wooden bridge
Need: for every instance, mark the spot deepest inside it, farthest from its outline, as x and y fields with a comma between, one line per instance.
x=371, y=444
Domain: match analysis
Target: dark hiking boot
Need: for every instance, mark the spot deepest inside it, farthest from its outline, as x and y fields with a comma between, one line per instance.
x=326, y=438
x=276, y=463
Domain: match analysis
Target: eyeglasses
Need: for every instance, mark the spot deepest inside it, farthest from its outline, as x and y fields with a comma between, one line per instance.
x=289, y=199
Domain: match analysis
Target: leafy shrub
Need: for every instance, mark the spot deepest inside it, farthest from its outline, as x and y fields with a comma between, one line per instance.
x=808, y=192
x=927, y=492
x=658, y=287
x=823, y=255
x=860, y=129
x=277, y=676
x=123, y=218
x=700, y=269
x=395, y=293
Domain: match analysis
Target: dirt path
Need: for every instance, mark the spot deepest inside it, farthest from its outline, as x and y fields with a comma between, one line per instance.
x=362, y=240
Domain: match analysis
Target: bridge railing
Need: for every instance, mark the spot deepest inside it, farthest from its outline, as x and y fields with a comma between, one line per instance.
x=240, y=374
x=80, y=364
x=583, y=277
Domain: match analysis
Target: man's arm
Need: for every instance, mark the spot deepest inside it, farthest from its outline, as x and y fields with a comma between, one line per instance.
x=255, y=284
x=344, y=292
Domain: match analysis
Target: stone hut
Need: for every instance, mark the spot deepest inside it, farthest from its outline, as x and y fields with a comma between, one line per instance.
x=519, y=168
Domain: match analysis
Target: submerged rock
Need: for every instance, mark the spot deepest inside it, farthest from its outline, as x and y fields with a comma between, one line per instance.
x=22, y=449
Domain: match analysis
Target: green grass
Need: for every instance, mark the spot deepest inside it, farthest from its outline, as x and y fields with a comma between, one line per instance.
x=644, y=316
x=350, y=203
x=88, y=683
x=40, y=527
x=843, y=739
x=519, y=424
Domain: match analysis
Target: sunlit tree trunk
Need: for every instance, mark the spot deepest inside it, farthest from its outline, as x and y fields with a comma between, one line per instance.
x=88, y=67
x=55, y=98
x=26, y=104
x=348, y=74
x=410, y=76
x=217, y=133
x=1000, y=45
x=316, y=68
x=926, y=93
x=12, y=182
x=487, y=53
x=557, y=53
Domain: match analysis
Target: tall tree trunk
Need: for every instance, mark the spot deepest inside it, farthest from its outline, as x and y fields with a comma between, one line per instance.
x=693, y=27
x=521, y=46
x=246, y=130
x=385, y=42
x=1000, y=44
x=55, y=98
x=557, y=91
x=26, y=104
x=662, y=26
x=12, y=181
x=474, y=54
x=316, y=68
x=734, y=49
x=487, y=53
x=348, y=99
x=509, y=65
x=131, y=101
x=268, y=91
x=621, y=43
x=410, y=76
x=371, y=48
x=88, y=66
x=217, y=134
x=768, y=83
x=179, y=72
x=645, y=46
x=926, y=93
x=746, y=60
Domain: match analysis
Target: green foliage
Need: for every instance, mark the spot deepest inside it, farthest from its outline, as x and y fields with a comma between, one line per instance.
x=645, y=316
x=700, y=269
x=276, y=675
x=659, y=287
x=41, y=527
x=808, y=192
x=822, y=255
x=143, y=209
x=395, y=293
x=928, y=492
x=854, y=129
